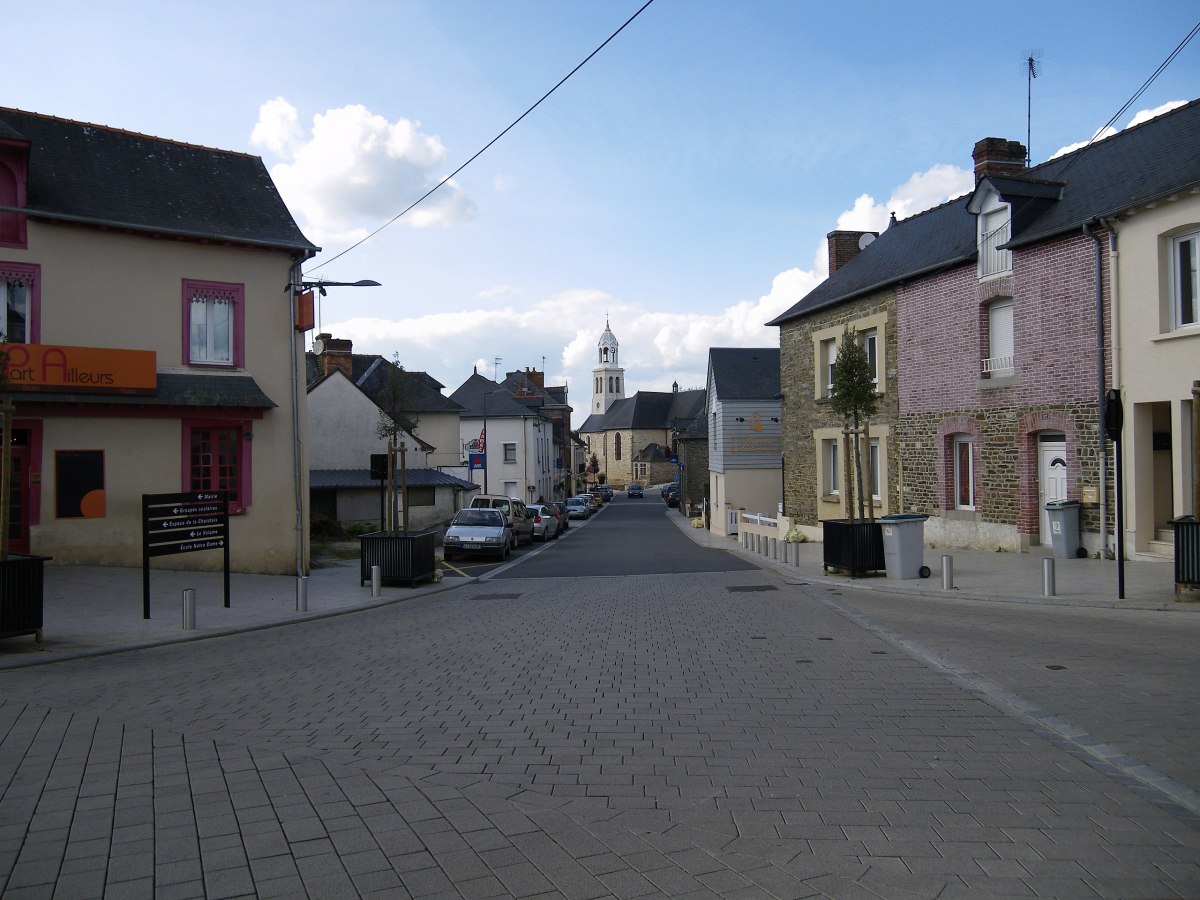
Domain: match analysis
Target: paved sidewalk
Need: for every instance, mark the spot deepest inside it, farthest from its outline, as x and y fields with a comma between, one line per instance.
x=980, y=575
x=91, y=610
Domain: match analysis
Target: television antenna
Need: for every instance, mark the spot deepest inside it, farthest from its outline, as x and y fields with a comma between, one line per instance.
x=1033, y=68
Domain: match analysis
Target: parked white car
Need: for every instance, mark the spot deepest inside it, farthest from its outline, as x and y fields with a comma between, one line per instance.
x=477, y=532
x=545, y=522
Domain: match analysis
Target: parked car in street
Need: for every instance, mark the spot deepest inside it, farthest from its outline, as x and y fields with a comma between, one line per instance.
x=564, y=521
x=634, y=490
x=545, y=522
x=477, y=532
x=606, y=491
x=577, y=508
x=592, y=502
x=671, y=497
x=519, y=519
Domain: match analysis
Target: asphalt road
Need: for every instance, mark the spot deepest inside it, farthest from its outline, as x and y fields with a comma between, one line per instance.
x=618, y=714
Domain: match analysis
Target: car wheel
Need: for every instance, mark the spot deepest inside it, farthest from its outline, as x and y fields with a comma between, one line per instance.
x=446, y=557
x=504, y=553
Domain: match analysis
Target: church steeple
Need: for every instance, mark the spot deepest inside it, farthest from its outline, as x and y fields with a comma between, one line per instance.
x=608, y=378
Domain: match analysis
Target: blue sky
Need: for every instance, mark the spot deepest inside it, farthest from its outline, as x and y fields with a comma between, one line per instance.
x=681, y=183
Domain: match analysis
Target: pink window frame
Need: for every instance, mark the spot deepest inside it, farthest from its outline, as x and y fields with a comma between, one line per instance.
x=14, y=165
x=192, y=286
x=32, y=275
x=242, y=504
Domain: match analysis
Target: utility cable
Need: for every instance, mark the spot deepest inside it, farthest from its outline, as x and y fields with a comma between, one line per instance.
x=486, y=146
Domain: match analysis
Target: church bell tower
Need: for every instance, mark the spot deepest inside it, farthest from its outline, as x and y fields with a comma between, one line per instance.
x=608, y=378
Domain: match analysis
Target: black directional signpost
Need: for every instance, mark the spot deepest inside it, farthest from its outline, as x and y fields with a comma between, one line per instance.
x=183, y=523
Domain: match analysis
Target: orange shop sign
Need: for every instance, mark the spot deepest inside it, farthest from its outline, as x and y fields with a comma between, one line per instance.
x=46, y=367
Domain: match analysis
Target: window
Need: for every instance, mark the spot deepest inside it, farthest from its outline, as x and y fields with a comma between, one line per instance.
x=640, y=470
x=1185, y=278
x=831, y=484
x=510, y=453
x=12, y=193
x=217, y=459
x=19, y=289
x=873, y=468
x=828, y=356
x=421, y=495
x=994, y=228
x=999, y=360
x=964, y=473
x=870, y=342
x=617, y=445
x=215, y=315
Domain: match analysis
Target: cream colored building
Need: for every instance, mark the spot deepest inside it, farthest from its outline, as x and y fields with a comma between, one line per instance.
x=1156, y=360
x=156, y=343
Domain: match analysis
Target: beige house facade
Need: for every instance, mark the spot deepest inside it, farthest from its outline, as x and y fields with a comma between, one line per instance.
x=155, y=344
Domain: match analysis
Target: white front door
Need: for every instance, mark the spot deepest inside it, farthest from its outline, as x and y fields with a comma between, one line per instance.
x=1052, y=481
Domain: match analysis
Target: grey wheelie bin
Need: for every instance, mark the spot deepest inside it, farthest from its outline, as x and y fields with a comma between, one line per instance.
x=904, y=545
x=1064, y=529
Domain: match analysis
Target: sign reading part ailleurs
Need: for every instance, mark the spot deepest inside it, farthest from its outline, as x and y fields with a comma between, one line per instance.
x=47, y=367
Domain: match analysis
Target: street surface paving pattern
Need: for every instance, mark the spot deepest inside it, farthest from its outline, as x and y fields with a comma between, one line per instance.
x=725, y=734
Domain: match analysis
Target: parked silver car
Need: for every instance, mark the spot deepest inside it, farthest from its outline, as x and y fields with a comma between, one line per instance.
x=477, y=532
x=577, y=508
x=545, y=522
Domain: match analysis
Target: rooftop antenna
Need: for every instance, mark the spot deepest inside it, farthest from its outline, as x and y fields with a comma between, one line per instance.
x=1033, y=68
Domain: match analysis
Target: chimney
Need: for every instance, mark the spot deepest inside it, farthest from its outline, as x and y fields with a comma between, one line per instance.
x=845, y=245
x=335, y=354
x=997, y=156
x=538, y=378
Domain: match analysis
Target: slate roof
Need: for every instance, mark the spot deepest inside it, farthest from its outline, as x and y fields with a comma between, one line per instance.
x=173, y=389
x=95, y=174
x=745, y=373
x=471, y=396
x=361, y=478
x=1139, y=165
x=648, y=409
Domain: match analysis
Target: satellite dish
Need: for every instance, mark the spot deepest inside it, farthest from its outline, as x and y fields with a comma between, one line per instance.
x=865, y=240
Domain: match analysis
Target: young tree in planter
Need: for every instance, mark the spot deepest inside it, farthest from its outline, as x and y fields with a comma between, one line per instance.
x=854, y=399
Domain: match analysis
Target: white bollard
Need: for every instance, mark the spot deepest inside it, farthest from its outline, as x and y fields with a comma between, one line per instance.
x=1048, y=586
x=947, y=572
x=376, y=581
x=189, y=609
x=302, y=594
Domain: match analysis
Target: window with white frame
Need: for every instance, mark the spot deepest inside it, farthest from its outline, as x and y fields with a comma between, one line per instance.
x=999, y=360
x=831, y=482
x=828, y=356
x=873, y=461
x=214, y=315
x=1185, y=280
x=18, y=288
x=994, y=231
x=510, y=453
x=963, y=472
x=869, y=339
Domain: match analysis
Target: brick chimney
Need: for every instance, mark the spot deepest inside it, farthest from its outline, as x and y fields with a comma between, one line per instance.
x=997, y=156
x=334, y=354
x=845, y=245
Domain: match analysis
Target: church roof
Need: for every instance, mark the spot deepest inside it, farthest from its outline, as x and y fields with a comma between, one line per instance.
x=648, y=409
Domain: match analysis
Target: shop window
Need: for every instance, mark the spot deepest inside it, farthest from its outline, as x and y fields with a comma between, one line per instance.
x=79, y=484
x=218, y=459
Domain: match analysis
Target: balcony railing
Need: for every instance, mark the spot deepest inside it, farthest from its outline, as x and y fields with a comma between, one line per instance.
x=998, y=366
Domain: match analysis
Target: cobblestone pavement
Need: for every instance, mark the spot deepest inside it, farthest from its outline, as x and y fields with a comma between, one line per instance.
x=723, y=735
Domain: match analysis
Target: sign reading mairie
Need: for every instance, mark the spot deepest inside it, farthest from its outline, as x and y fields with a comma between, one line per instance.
x=49, y=367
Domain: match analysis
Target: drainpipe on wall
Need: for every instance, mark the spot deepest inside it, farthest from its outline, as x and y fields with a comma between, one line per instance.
x=1102, y=440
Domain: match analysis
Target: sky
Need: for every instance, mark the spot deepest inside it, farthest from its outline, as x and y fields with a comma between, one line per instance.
x=679, y=186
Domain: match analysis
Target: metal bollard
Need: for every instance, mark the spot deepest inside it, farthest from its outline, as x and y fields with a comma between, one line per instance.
x=1048, y=576
x=376, y=581
x=189, y=609
x=947, y=572
x=302, y=594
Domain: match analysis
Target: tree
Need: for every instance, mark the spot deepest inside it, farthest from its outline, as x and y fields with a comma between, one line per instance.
x=854, y=399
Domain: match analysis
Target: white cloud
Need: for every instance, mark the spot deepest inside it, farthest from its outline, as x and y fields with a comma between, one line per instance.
x=355, y=170
x=1143, y=115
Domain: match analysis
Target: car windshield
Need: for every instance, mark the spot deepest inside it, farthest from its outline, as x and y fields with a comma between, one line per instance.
x=479, y=517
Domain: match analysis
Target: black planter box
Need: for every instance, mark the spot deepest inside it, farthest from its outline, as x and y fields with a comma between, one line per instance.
x=856, y=547
x=405, y=558
x=21, y=595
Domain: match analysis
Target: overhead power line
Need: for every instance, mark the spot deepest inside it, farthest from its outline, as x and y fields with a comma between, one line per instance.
x=486, y=146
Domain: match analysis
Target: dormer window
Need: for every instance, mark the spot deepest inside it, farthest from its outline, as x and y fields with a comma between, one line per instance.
x=994, y=230
x=12, y=193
